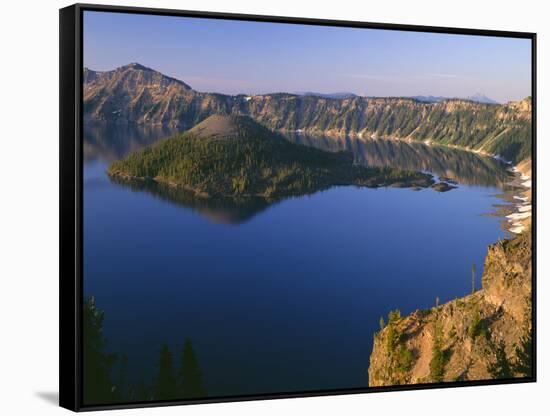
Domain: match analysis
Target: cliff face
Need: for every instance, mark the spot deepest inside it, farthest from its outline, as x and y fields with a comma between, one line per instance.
x=481, y=336
x=136, y=94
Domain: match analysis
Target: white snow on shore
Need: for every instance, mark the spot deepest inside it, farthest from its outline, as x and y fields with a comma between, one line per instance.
x=519, y=216
x=523, y=208
x=517, y=229
x=521, y=198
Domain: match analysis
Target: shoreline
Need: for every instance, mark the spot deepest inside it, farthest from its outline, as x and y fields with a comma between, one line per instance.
x=415, y=180
x=520, y=219
x=427, y=142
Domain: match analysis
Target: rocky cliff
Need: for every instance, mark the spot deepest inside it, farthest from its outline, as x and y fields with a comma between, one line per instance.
x=484, y=335
x=136, y=94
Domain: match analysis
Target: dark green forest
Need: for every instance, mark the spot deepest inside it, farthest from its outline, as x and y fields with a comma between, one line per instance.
x=252, y=161
x=105, y=376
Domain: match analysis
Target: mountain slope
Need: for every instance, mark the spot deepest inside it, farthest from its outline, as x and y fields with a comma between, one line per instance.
x=136, y=94
x=233, y=156
x=485, y=335
x=505, y=130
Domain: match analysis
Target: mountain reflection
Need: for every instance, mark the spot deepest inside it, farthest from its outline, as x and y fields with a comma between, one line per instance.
x=108, y=142
x=217, y=210
x=458, y=165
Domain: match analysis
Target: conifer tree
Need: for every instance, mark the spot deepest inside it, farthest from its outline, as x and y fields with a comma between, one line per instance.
x=523, y=365
x=501, y=368
x=473, y=277
x=190, y=375
x=97, y=363
x=165, y=386
x=437, y=363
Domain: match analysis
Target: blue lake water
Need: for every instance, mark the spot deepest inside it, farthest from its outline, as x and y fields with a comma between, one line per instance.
x=286, y=296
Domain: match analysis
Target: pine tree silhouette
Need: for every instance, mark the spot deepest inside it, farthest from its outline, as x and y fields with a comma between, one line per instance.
x=190, y=375
x=165, y=385
x=98, y=387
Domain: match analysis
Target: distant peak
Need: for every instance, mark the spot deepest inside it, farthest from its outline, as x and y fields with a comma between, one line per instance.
x=481, y=98
x=136, y=66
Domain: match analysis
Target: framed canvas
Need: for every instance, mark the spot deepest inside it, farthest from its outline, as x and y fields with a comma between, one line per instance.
x=255, y=207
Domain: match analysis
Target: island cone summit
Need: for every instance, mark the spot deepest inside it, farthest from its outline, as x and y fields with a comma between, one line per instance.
x=224, y=126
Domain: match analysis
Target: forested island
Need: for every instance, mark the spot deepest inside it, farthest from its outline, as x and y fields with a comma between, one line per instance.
x=233, y=156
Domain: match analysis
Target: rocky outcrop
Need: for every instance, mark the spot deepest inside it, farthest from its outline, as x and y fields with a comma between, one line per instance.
x=481, y=336
x=443, y=187
x=136, y=94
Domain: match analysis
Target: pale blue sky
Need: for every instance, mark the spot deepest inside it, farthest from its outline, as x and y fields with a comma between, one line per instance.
x=234, y=57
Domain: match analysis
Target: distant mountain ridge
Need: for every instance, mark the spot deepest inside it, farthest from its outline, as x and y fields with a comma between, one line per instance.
x=137, y=94
x=477, y=97
x=429, y=98
x=335, y=95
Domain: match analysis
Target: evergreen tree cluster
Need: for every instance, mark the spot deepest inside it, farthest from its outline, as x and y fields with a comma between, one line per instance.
x=252, y=161
x=400, y=358
x=438, y=361
x=98, y=379
x=185, y=383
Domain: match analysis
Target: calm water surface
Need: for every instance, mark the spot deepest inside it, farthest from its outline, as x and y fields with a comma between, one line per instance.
x=285, y=296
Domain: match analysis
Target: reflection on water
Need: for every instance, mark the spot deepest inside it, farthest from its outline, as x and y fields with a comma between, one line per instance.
x=458, y=165
x=109, y=142
x=217, y=210
x=105, y=143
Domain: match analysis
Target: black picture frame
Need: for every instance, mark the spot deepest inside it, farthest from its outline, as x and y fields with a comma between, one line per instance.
x=71, y=195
